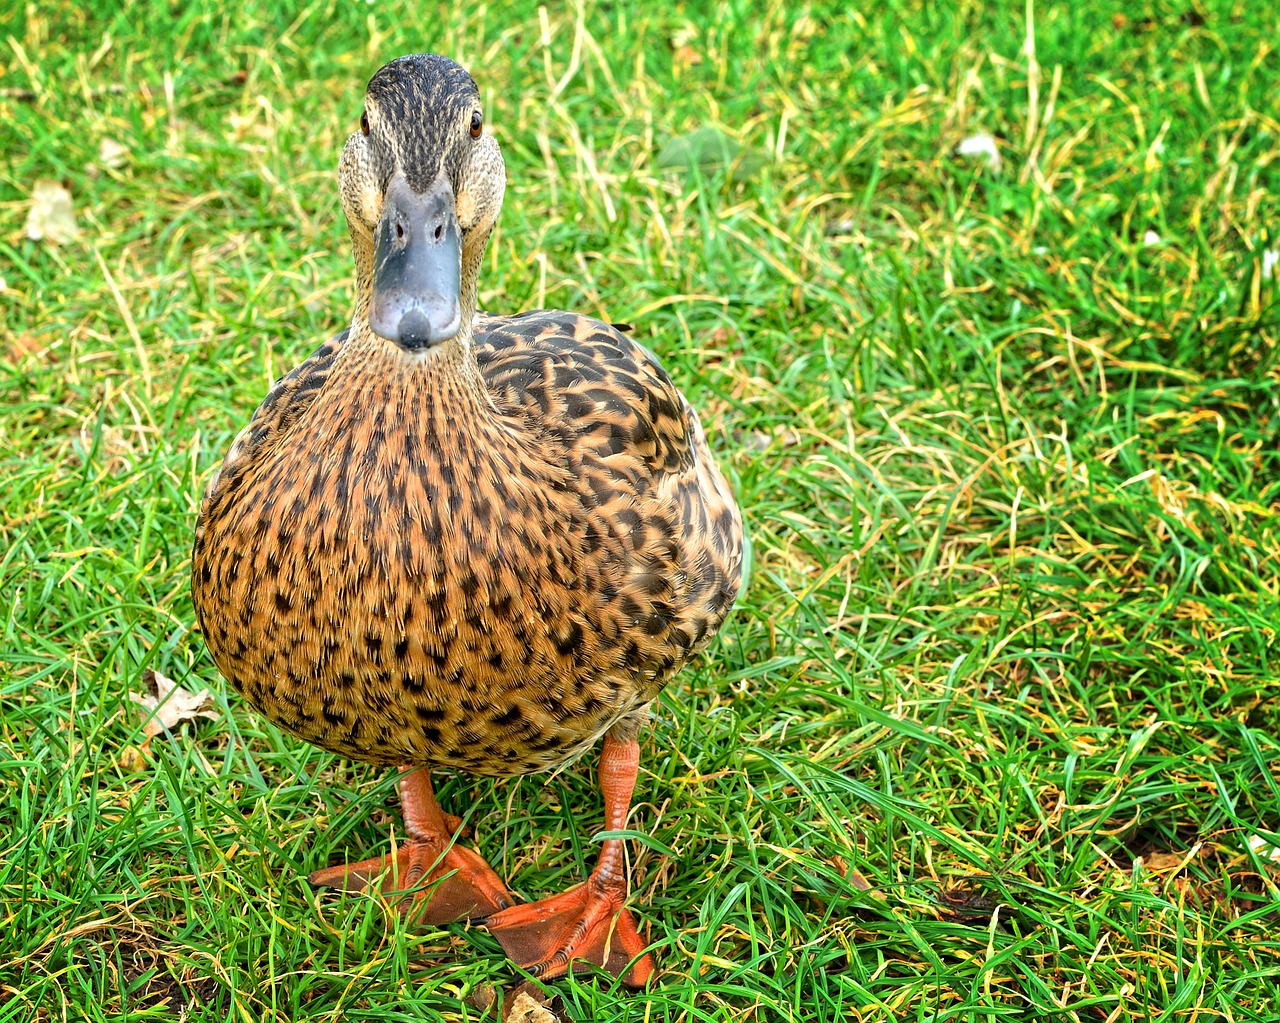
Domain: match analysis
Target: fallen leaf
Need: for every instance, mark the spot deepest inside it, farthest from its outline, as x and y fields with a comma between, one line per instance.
x=482, y=996
x=52, y=217
x=688, y=55
x=966, y=900
x=25, y=346
x=527, y=1009
x=708, y=148
x=166, y=704
x=762, y=440
x=1159, y=861
x=131, y=759
x=980, y=147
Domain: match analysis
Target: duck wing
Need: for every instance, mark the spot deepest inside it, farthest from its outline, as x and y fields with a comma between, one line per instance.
x=639, y=463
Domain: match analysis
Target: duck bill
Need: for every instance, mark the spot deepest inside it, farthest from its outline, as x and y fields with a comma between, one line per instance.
x=417, y=262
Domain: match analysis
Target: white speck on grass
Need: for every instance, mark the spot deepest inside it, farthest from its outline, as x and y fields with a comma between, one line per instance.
x=980, y=147
x=1263, y=848
x=1270, y=260
x=51, y=217
x=1150, y=238
x=112, y=154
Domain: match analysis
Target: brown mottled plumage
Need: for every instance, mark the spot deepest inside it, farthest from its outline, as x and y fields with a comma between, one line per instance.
x=484, y=550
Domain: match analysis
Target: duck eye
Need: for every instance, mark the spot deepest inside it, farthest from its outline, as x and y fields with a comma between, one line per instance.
x=364, y=122
x=477, y=119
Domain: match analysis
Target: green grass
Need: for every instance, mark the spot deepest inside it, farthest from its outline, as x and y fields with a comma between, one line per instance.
x=993, y=728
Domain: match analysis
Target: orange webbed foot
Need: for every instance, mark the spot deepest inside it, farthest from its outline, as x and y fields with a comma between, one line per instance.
x=460, y=885
x=583, y=925
x=587, y=924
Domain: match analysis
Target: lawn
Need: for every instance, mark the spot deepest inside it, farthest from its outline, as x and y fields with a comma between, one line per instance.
x=994, y=732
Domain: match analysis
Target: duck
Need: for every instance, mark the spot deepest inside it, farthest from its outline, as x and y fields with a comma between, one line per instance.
x=451, y=539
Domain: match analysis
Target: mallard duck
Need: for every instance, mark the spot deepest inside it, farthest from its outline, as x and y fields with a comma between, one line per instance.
x=457, y=540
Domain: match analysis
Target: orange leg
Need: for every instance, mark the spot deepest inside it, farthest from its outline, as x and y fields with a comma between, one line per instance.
x=459, y=884
x=586, y=923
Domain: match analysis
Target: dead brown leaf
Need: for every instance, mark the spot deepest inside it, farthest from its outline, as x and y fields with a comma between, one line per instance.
x=25, y=346
x=527, y=1009
x=131, y=759
x=482, y=996
x=527, y=1002
x=166, y=704
x=688, y=55
x=1158, y=862
x=966, y=900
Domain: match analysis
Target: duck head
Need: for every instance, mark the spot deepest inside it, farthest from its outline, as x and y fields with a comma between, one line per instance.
x=422, y=183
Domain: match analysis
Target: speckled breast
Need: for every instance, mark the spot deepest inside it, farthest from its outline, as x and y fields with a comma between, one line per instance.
x=357, y=629
x=402, y=570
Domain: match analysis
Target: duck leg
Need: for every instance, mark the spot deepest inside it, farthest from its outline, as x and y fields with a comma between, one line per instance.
x=460, y=884
x=588, y=922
